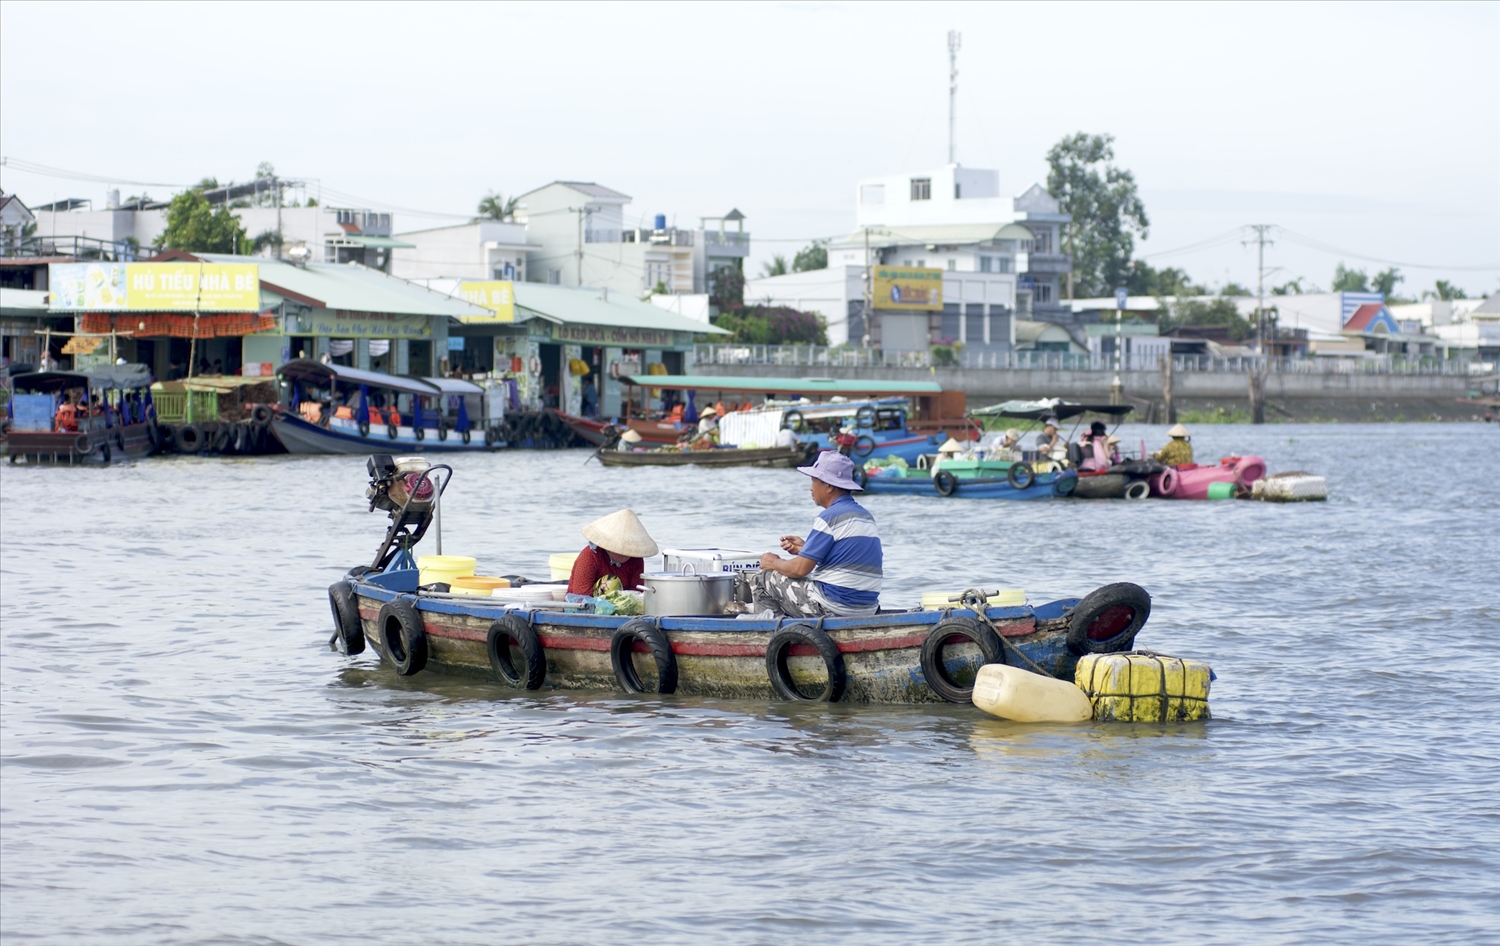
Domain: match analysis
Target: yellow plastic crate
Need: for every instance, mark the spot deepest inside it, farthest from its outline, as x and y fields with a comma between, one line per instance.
x=1143, y=687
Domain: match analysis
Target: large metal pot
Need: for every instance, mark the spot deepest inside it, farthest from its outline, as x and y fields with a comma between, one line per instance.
x=688, y=593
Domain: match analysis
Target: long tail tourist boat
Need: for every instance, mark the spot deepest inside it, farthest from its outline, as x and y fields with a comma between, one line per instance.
x=898, y=655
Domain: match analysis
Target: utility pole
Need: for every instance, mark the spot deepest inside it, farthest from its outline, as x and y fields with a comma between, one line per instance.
x=1258, y=373
x=869, y=291
x=955, y=39
x=583, y=213
x=276, y=183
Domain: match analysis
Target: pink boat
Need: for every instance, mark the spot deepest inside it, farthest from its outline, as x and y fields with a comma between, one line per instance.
x=1191, y=481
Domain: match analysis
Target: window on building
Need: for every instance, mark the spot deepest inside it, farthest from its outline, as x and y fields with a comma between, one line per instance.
x=952, y=321
x=986, y=264
x=1004, y=262
x=922, y=263
x=1042, y=292
x=1043, y=242
x=952, y=265
x=974, y=323
x=906, y=262
x=957, y=191
x=921, y=188
x=554, y=277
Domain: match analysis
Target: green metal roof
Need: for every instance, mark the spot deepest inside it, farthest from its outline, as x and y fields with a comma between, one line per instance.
x=597, y=307
x=352, y=288
x=381, y=242
x=706, y=382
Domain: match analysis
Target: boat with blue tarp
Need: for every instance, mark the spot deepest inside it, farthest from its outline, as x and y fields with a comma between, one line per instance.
x=93, y=416
x=897, y=655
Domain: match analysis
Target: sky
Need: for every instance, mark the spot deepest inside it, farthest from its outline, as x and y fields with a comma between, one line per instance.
x=1368, y=133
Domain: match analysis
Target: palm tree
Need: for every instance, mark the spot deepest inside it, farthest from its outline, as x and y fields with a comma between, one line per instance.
x=494, y=207
x=777, y=266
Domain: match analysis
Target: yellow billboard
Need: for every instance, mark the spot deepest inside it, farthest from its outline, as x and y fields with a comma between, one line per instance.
x=908, y=287
x=155, y=287
x=498, y=295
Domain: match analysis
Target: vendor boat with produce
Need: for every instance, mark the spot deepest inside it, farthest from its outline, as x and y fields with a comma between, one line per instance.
x=807, y=625
x=879, y=418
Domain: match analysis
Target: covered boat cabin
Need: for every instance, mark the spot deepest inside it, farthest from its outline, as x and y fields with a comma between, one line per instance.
x=80, y=416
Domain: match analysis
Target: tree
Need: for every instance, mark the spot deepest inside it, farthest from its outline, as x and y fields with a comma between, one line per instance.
x=813, y=256
x=1293, y=287
x=1349, y=280
x=1446, y=291
x=494, y=207
x=726, y=288
x=1105, y=208
x=777, y=266
x=1220, y=311
x=774, y=325
x=1144, y=280
x=1385, y=282
x=194, y=226
x=1233, y=289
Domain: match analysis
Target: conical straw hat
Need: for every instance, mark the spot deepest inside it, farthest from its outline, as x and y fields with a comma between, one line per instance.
x=631, y=436
x=952, y=446
x=1178, y=431
x=622, y=533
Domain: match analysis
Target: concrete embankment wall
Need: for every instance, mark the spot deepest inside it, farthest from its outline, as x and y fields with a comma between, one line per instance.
x=1290, y=396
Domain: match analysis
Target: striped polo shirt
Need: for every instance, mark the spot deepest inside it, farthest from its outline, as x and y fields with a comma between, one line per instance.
x=846, y=550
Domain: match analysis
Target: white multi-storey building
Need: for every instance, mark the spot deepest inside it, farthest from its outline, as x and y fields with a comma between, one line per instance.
x=1000, y=257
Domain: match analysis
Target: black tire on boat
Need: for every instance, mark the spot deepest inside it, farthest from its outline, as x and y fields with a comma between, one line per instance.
x=349, y=633
x=864, y=445
x=1064, y=483
x=189, y=439
x=513, y=627
x=242, y=438
x=1108, y=618
x=364, y=428
x=1020, y=476
x=791, y=420
x=945, y=483
x=622, y=646
x=261, y=413
x=403, y=636
x=392, y=431
x=104, y=453
x=154, y=435
x=952, y=630
x=419, y=432
x=860, y=476
x=81, y=445
x=442, y=432
x=864, y=417
x=223, y=439
x=1137, y=489
x=778, y=650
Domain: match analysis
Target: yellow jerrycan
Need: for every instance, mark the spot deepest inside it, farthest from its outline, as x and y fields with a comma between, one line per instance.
x=1026, y=697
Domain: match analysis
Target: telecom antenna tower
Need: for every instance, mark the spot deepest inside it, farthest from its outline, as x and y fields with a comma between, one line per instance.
x=955, y=39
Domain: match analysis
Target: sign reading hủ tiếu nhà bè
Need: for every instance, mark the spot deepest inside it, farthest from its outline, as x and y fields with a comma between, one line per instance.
x=155, y=287
x=497, y=295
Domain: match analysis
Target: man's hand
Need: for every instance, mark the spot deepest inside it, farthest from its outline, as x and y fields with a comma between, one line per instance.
x=792, y=543
x=769, y=561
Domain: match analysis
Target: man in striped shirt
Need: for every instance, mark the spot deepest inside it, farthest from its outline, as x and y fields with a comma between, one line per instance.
x=836, y=570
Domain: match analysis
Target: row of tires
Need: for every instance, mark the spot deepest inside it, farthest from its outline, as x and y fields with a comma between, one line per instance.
x=1104, y=622
x=246, y=438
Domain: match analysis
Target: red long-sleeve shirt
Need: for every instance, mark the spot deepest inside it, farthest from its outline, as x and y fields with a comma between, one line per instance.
x=593, y=564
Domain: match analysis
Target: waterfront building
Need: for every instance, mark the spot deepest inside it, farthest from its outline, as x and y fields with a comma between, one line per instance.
x=996, y=258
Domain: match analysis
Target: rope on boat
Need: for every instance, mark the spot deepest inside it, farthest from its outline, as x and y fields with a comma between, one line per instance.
x=978, y=601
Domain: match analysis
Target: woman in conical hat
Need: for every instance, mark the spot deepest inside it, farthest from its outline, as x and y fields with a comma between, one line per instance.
x=1178, y=451
x=618, y=547
x=951, y=446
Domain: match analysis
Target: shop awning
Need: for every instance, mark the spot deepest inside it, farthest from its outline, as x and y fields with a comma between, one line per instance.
x=316, y=372
x=177, y=325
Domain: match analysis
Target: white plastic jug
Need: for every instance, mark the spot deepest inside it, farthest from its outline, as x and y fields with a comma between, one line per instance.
x=1026, y=697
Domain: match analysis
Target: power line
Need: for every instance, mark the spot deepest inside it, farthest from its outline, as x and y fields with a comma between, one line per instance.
x=43, y=170
x=1319, y=245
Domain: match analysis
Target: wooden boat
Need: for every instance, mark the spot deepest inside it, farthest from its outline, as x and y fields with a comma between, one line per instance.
x=312, y=423
x=122, y=424
x=972, y=480
x=781, y=457
x=893, y=656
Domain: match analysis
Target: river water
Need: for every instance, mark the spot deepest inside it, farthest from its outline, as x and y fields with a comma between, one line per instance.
x=185, y=761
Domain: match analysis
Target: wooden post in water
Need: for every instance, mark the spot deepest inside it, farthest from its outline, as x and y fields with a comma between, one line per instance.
x=1257, y=394
x=1166, y=389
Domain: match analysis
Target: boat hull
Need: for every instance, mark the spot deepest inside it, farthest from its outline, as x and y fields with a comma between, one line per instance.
x=1043, y=486
x=1193, y=481
x=778, y=457
x=342, y=437
x=101, y=445
x=723, y=657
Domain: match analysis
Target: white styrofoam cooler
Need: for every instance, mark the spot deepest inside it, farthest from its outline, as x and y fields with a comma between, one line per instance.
x=707, y=561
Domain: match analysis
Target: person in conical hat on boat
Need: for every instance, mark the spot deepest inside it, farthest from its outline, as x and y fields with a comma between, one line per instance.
x=708, y=421
x=618, y=548
x=949, y=450
x=1179, y=450
x=628, y=440
x=836, y=570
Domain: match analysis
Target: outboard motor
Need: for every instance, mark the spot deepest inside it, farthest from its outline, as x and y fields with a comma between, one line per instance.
x=397, y=484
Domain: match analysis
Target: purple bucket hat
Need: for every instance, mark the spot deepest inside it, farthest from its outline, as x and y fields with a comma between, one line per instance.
x=833, y=468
